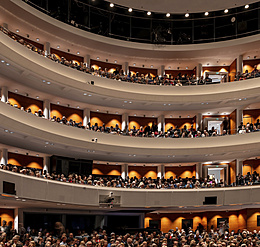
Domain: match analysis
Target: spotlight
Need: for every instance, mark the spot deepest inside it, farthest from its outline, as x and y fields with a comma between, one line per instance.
x=246, y=6
x=206, y=13
x=226, y=11
x=112, y=5
x=168, y=15
x=130, y=10
x=149, y=13
x=187, y=15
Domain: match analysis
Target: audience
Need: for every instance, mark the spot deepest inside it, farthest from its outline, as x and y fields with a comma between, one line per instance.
x=120, y=75
x=134, y=182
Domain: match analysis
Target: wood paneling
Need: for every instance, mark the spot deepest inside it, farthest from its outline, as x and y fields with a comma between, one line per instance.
x=252, y=219
x=26, y=102
x=108, y=119
x=183, y=171
x=141, y=121
x=233, y=70
x=216, y=69
x=104, y=65
x=7, y=215
x=180, y=122
x=25, y=160
x=251, y=166
x=140, y=171
x=144, y=71
x=251, y=115
x=109, y=170
x=232, y=172
x=249, y=65
x=232, y=122
x=69, y=113
x=174, y=73
x=68, y=56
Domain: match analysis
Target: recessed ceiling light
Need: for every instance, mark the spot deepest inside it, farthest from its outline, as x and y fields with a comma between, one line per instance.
x=111, y=5
x=125, y=101
x=134, y=64
x=206, y=13
x=130, y=102
x=37, y=97
x=37, y=155
x=2, y=61
x=16, y=90
x=7, y=64
x=169, y=67
x=130, y=10
x=226, y=11
x=149, y=13
x=152, y=115
x=135, y=115
x=187, y=67
x=170, y=116
x=58, y=46
x=97, y=109
x=187, y=15
x=240, y=99
x=85, y=94
x=188, y=115
x=169, y=104
x=89, y=95
x=17, y=30
x=168, y=15
x=48, y=82
x=151, y=66
x=248, y=57
x=97, y=58
x=43, y=80
x=58, y=102
x=115, y=61
x=247, y=6
x=37, y=39
x=164, y=104
x=78, y=107
x=78, y=53
x=116, y=112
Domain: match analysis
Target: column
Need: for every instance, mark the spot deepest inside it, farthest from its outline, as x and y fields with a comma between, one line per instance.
x=124, y=171
x=47, y=164
x=16, y=219
x=239, y=166
x=161, y=123
x=47, y=109
x=4, y=156
x=161, y=71
x=240, y=64
x=87, y=60
x=126, y=68
x=160, y=171
x=141, y=220
x=198, y=170
x=47, y=48
x=125, y=122
x=4, y=94
x=199, y=121
x=199, y=70
x=86, y=117
x=239, y=117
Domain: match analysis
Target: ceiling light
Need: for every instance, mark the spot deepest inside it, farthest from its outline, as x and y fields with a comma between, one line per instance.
x=152, y=115
x=226, y=11
x=115, y=61
x=168, y=15
x=6, y=131
x=151, y=66
x=149, y=13
x=16, y=90
x=17, y=30
x=248, y=57
x=117, y=112
x=97, y=58
x=111, y=5
x=78, y=53
x=134, y=64
x=169, y=67
x=37, y=39
x=130, y=10
x=170, y=116
x=2, y=61
x=246, y=6
x=130, y=102
x=97, y=109
x=187, y=15
x=85, y=94
x=187, y=67
x=43, y=80
x=37, y=97
x=188, y=115
x=125, y=101
x=89, y=95
x=7, y=64
x=135, y=115
x=164, y=104
x=206, y=13
x=78, y=107
x=48, y=82
x=58, y=46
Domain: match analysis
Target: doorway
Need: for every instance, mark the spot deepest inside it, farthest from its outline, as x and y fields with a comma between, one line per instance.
x=217, y=174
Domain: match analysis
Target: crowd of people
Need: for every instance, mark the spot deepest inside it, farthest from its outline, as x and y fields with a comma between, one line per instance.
x=120, y=75
x=61, y=237
x=152, y=131
x=134, y=182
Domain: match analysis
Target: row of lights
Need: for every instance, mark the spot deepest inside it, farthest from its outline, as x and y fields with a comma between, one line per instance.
x=169, y=15
x=3, y=61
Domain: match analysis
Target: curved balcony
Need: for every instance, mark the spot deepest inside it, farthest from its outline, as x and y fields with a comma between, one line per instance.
x=30, y=132
x=31, y=69
x=73, y=195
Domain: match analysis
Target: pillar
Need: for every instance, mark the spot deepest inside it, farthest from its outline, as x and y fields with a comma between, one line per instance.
x=160, y=171
x=4, y=156
x=239, y=166
x=141, y=220
x=125, y=122
x=161, y=70
x=87, y=60
x=46, y=164
x=16, y=219
x=198, y=170
x=161, y=123
x=47, y=109
x=240, y=64
x=124, y=171
x=4, y=94
x=86, y=117
x=199, y=121
x=239, y=117
x=126, y=68
x=199, y=70
x=47, y=48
